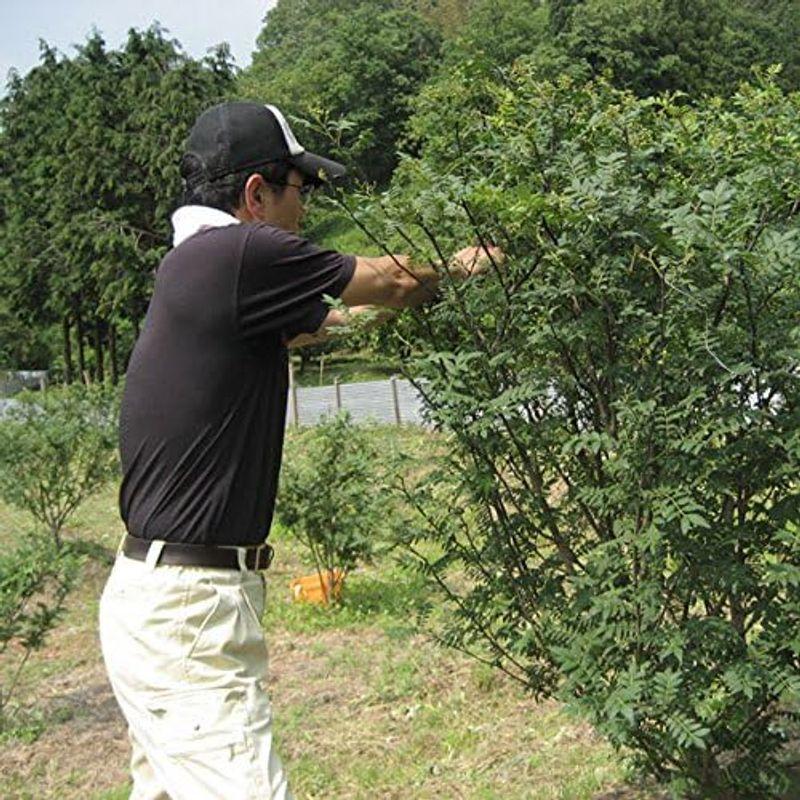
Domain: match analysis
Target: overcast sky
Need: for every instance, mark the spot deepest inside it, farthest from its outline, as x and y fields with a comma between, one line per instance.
x=196, y=24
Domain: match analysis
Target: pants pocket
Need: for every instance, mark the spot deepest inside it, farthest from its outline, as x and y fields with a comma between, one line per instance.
x=214, y=742
x=200, y=721
x=254, y=597
x=224, y=634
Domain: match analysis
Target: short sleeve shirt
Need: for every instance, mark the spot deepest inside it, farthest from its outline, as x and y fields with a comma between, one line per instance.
x=204, y=407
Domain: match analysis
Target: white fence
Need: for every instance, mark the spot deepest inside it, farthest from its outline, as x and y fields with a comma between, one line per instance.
x=393, y=401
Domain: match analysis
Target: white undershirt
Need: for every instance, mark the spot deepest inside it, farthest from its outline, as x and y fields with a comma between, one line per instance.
x=188, y=220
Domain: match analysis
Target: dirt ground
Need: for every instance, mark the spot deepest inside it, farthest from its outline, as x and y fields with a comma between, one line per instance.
x=357, y=708
x=85, y=753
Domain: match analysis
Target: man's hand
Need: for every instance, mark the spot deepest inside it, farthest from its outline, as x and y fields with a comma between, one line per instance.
x=474, y=260
x=394, y=282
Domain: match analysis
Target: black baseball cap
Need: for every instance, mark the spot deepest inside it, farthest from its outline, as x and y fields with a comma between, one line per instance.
x=236, y=136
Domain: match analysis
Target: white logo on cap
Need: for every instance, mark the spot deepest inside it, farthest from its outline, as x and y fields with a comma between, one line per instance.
x=295, y=148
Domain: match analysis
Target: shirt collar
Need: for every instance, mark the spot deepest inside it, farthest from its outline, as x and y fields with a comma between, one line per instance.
x=189, y=220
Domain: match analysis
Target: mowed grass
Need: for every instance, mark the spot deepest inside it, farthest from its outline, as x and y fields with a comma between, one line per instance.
x=366, y=704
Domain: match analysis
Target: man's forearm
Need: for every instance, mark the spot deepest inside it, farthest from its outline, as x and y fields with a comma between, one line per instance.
x=395, y=282
x=421, y=283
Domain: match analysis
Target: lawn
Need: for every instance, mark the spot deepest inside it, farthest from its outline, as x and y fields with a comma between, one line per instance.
x=366, y=704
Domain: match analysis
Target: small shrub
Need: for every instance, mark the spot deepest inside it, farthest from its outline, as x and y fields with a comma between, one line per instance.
x=56, y=449
x=35, y=579
x=332, y=494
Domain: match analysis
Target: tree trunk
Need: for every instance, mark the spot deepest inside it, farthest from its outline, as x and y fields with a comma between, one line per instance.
x=80, y=334
x=99, y=373
x=56, y=531
x=112, y=353
x=67, y=350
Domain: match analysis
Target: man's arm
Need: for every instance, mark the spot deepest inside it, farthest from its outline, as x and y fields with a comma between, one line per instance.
x=336, y=318
x=393, y=282
x=384, y=284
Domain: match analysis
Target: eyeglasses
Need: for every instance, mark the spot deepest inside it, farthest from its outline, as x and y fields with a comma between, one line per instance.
x=305, y=189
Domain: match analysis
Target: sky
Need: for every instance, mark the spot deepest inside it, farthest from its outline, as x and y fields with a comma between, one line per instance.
x=196, y=24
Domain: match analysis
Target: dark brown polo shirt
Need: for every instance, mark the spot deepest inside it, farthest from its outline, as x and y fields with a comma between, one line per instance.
x=203, y=414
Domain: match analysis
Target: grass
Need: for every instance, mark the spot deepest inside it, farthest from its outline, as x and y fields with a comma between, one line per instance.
x=347, y=367
x=366, y=705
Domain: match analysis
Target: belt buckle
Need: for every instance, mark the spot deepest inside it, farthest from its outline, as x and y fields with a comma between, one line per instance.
x=268, y=553
x=257, y=551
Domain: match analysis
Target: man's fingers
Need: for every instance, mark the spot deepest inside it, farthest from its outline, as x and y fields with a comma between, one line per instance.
x=477, y=259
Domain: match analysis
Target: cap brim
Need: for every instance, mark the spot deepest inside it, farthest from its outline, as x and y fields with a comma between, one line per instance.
x=318, y=169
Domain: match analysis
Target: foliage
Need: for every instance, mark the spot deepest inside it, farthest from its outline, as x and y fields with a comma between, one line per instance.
x=560, y=14
x=90, y=148
x=35, y=578
x=332, y=494
x=447, y=15
x=702, y=47
x=89, y=144
x=57, y=448
x=348, y=68
x=617, y=523
x=497, y=32
x=647, y=46
x=652, y=47
x=767, y=32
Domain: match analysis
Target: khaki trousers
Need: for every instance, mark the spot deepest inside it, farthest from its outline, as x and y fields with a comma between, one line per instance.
x=186, y=657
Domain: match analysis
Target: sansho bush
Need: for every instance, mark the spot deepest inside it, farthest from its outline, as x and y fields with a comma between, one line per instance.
x=618, y=523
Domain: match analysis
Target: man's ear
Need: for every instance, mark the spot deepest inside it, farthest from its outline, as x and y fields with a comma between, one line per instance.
x=255, y=194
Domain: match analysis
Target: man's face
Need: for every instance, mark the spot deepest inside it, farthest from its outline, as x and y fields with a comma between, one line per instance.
x=287, y=205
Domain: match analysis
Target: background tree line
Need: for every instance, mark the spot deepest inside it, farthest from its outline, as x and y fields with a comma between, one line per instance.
x=88, y=180
x=89, y=142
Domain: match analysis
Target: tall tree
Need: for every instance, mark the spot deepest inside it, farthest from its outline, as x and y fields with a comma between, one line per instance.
x=448, y=15
x=699, y=47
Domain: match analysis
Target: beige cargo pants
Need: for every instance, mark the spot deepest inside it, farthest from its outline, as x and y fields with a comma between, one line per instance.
x=187, y=661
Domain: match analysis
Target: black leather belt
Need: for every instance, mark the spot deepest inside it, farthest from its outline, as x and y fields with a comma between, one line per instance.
x=197, y=555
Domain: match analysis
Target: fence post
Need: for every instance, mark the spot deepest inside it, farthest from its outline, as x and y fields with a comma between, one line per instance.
x=396, y=400
x=337, y=386
x=293, y=394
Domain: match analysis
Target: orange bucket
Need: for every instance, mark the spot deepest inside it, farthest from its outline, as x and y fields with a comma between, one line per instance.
x=312, y=589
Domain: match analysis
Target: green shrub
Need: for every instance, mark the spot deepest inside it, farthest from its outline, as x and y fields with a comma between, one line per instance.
x=56, y=448
x=35, y=579
x=332, y=494
x=618, y=523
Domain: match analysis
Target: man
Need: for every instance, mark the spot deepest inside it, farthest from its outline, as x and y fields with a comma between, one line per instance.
x=201, y=434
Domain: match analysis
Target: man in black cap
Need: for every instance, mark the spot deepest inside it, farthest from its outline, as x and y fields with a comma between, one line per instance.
x=201, y=436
